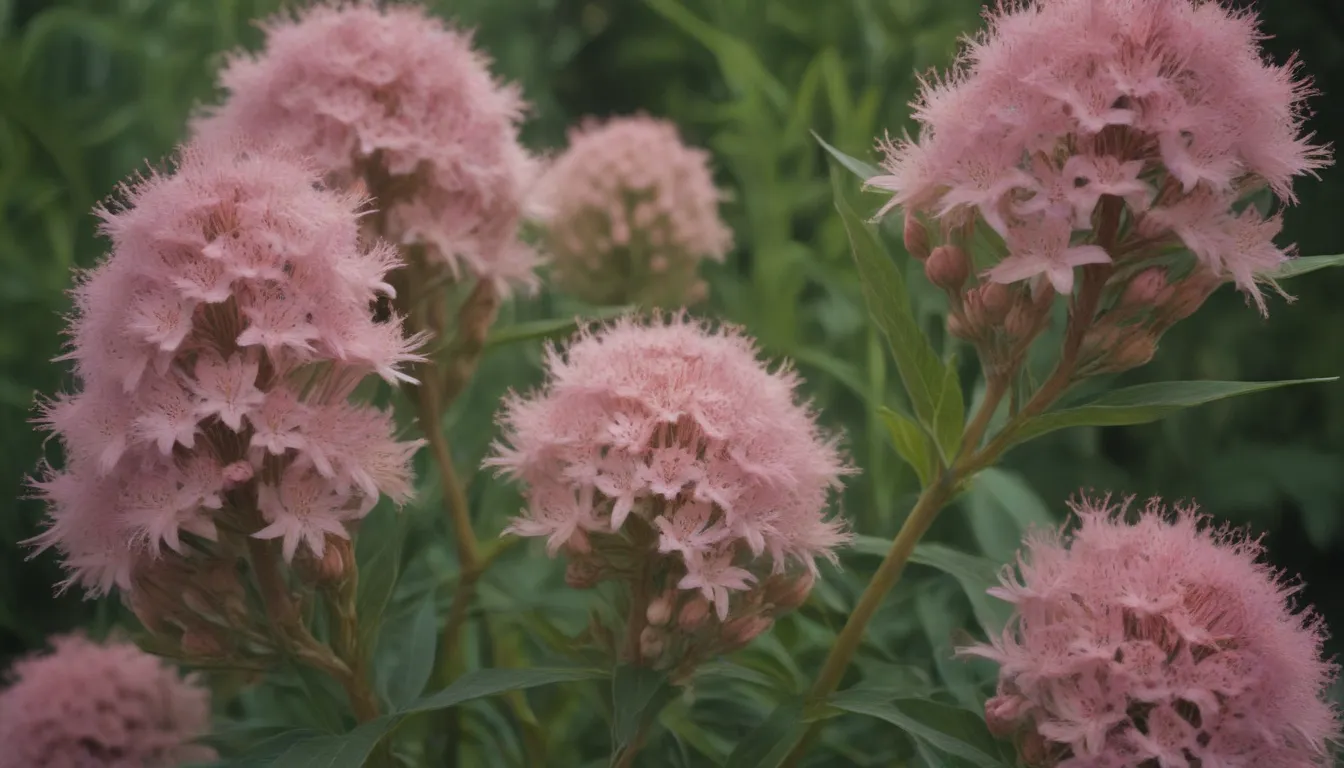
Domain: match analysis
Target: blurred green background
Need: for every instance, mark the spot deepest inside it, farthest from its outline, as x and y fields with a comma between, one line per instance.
x=91, y=90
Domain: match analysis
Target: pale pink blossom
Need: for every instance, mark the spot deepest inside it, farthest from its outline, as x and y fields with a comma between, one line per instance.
x=670, y=429
x=112, y=706
x=1159, y=641
x=394, y=99
x=630, y=212
x=1061, y=105
x=185, y=395
x=1044, y=249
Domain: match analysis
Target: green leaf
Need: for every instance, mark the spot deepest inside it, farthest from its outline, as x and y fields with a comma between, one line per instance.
x=350, y=750
x=1146, y=402
x=378, y=553
x=863, y=170
x=974, y=574
x=770, y=742
x=946, y=728
x=638, y=694
x=548, y=329
x=911, y=443
x=406, y=654
x=949, y=418
x=884, y=292
x=1304, y=264
x=1001, y=506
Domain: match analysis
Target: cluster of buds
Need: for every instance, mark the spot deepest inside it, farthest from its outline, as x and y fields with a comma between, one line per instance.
x=630, y=212
x=668, y=458
x=218, y=349
x=1112, y=171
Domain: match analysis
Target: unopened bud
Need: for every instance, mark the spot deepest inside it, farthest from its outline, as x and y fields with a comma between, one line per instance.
x=960, y=326
x=583, y=573
x=651, y=643
x=331, y=567
x=916, y=237
x=788, y=591
x=738, y=632
x=693, y=614
x=1002, y=714
x=1134, y=350
x=948, y=267
x=236, y=474
x=995, y=301
x=1020, y=321
x=577, y=543
x=1189, y=295
x=659, y=611
x=1146, y=289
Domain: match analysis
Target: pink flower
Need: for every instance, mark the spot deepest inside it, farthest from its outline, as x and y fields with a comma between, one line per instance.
x=112, y=706
x=630, y=213
x=1160, y=641
x=1044, y=249
x=236, y=390
x=670, y=432
x=1063, y=104
x=394, y=99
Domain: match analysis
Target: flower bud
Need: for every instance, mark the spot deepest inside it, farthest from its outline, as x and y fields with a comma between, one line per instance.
x=236, y=474
x=201, y=644
x=1033, y=750
x=651, y=643
x=659, y=611
x=958, y=326
x=336, y=559
x=789, y=592
x=995, y=300
x=577, y=543
x=916, y=237
x=693, y=614
x=738, y=632
x=583, y=573
x=1146, y=289
x=1133, y=351
x=1189, y=295
x=948, y=267
x=1002, y=714
x=1021, y=320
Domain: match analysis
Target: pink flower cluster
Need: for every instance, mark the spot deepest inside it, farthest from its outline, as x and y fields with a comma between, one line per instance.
x=686, y=431
x=1165, y=108
x=392, y=98
x=110, y=706
x=1162, y=642
x=216, y=349
x=630, y=213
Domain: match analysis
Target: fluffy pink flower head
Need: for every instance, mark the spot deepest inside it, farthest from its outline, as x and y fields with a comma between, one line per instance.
x=215, y=349
x=630, y=213
x=1096, y=121
x=392, y=98
x=110, y=706
x=1160, y=642
x=675, y=445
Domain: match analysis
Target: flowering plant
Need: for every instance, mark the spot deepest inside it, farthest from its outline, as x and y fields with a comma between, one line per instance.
x=351, y=437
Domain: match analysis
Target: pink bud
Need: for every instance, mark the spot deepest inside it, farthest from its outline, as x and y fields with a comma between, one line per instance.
x=796, y=592
x=577, y=543
x=995, y=301
x=659, y=611
x=916, y=237
x=738, y=632
x=1133, y=351
x=1021, y=320
x=1189, y=294
x=651, y=643
x=1002, y=714
x=960, y=326
x=948, y=267
x=201, y=644
x=693, y=614
x=236, y=474
x=1147, y=288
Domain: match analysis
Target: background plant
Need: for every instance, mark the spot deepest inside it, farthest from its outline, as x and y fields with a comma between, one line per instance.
x=92, y=88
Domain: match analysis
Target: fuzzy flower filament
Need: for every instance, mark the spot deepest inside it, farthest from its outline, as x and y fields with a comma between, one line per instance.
x=630, y=212
x=1160, y=643
x=668, y=457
